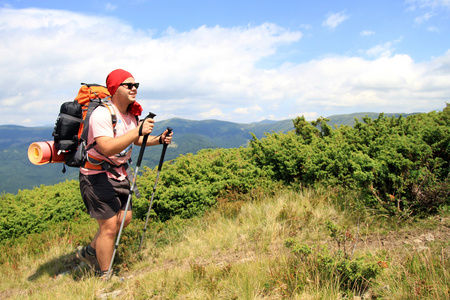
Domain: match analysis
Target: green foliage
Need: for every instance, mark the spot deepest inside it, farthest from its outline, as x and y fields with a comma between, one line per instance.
x=342, y=237
x=187, y=187
x=190, y=137
x=191, y=184
x=323, y=265
x=401, y=164
x=32, y=211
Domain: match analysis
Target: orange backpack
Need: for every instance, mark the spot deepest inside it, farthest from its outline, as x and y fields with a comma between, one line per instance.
x=72, y=125
x=91, y=93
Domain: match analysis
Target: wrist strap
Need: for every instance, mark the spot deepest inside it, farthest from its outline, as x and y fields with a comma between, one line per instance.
x=140, y=128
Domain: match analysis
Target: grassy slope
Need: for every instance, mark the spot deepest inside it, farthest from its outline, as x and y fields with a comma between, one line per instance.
x=237, y=251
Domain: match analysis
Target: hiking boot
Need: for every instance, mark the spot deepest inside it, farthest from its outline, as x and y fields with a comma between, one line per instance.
x=90, y=260
x=103, y=275
x=112, y=276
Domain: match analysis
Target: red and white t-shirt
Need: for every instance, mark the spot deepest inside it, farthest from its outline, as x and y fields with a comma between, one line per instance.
x=100, y=124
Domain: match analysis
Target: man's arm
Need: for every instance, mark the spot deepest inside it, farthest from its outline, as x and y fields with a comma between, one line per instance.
x=109, y=146
x=155, y=140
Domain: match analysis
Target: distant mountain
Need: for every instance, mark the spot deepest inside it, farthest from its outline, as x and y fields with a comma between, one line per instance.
x=17, y=172
x=267, y=122
x=17, y=136
x=223, y=134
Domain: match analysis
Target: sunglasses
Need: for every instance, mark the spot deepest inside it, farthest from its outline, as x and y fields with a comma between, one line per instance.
x=130, y=85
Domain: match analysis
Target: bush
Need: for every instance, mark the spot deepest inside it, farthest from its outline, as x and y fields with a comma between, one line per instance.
x=191, y=184
x=319, y=264
x=401, y=164
x=33, y=211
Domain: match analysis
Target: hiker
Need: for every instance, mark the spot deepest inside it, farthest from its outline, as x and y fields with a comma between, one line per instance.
x=105, y=192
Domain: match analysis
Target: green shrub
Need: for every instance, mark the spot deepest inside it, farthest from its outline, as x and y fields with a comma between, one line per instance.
x=315, y=264
x=33, y=211
x=401, y=164
x=191, y=184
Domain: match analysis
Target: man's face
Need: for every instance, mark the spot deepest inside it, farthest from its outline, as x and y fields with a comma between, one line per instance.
x=123, y=93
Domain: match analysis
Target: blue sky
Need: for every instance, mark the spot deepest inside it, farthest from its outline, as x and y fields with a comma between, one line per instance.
x=239, y=61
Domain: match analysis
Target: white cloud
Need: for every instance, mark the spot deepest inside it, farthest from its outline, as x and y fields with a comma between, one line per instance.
x=110, y=7
x=309, y=116
x=247, y=110
x=207, y=72
x=335, y=19
x=382, y=50
x=413, y=4
x=433, y=29
x=423, y=18
x=366, y=33
x=214, y=113
x=306, y=26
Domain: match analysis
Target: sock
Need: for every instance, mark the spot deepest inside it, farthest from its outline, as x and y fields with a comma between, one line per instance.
x=90, y=250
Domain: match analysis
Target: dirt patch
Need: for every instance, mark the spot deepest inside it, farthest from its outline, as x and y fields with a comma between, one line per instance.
x=416, y=239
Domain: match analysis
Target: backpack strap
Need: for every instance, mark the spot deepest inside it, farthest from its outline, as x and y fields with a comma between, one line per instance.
x=107, y=164
x=91, y=162
x=108, y=105
x=92, y=105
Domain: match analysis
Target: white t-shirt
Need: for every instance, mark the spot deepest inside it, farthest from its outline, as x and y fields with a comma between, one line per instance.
x=100, y=124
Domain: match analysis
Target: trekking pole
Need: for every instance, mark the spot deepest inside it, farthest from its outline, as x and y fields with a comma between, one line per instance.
x=132, y=185
x=161, y=160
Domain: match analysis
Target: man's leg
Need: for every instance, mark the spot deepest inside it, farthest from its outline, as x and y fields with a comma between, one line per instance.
x=104, y=243
x=120, y=218
x=105, y=238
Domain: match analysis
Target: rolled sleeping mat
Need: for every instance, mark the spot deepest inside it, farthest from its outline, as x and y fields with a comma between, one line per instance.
x=41, y=153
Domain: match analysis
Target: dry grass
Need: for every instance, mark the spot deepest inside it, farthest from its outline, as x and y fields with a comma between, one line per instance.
x=237, y=251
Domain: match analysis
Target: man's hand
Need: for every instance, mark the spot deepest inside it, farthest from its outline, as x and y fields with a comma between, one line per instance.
x=146, y=126
x=166, y=138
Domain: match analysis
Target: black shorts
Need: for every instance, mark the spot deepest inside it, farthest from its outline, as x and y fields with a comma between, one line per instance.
x=104, y=197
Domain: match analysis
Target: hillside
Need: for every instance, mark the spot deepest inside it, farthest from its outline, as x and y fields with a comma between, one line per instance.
x=354, y=213
x=190, y=136
x=243, y=250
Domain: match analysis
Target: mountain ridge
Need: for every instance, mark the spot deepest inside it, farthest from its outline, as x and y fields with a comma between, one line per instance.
x=190, y=137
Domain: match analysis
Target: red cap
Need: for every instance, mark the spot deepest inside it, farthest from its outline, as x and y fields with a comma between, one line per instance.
x=115, y=78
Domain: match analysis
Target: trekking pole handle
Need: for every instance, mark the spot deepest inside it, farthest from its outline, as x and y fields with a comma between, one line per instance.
x=169, y=130
x=144, y=141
